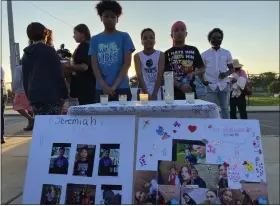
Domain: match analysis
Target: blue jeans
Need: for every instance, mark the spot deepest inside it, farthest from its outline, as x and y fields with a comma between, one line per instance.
x=222, y=96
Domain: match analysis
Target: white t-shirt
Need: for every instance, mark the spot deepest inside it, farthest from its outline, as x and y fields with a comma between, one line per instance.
x=149, y=67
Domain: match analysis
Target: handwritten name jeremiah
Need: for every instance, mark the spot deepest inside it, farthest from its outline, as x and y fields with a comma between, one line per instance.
x=74, y=121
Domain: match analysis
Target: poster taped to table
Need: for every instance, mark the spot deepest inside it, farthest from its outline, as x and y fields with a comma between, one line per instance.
x=201, y=157
x=81, y=160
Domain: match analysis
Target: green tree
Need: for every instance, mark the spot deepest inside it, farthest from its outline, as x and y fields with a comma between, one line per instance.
x=274, y=87
x=263, y=80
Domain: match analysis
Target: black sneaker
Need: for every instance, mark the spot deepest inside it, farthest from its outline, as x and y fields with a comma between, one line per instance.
x=29, y=126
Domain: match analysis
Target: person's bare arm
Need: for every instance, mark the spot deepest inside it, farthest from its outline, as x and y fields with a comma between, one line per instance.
x=159, y=75
x=137, y=65
x=230, y=69
x=106, y=89
x=200, y=71
x=124, y=70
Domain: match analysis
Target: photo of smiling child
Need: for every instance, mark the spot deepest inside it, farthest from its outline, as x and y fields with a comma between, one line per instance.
x=189, y=151
x=84, y=160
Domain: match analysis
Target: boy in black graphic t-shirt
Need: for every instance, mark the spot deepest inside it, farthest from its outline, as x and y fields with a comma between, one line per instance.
x=184, y=60
x=82, y=166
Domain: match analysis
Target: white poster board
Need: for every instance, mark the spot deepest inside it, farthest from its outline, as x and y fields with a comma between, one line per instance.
x=224, y=153
x=80, y=160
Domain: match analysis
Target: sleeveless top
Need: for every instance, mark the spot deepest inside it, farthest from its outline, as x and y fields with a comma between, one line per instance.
x=149, y=67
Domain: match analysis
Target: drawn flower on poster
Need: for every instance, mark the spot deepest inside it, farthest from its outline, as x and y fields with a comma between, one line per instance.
x=176, y=124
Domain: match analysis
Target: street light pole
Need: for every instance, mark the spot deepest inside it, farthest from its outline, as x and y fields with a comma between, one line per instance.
x=11, y=37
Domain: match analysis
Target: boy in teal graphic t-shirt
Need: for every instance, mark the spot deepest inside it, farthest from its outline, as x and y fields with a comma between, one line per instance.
x=111, y=53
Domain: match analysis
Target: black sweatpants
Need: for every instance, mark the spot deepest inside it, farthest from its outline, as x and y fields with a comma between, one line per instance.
x=240, y=103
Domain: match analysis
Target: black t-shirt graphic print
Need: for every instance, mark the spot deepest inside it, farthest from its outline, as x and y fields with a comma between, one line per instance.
x=81, y=168
x=182, y=60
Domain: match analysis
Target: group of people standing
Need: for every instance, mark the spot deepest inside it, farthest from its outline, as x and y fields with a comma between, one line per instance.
x=100, y=65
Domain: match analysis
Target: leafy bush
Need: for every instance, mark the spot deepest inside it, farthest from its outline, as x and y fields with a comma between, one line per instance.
x=274, y=87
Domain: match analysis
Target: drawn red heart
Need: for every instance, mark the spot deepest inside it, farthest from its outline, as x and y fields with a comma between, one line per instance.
x=174, y=131
x=192, y=128
x=226, y=164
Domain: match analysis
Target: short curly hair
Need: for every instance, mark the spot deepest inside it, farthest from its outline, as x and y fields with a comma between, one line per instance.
x=213, y=31
x=147, y=29
x=110, y=5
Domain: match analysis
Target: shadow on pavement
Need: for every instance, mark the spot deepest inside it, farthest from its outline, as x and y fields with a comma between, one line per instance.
x=14, y=156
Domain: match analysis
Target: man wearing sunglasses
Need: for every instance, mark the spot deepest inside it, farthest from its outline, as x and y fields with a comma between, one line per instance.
x=218, y=66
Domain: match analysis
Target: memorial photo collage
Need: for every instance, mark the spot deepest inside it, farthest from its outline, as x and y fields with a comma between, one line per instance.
x=83, y=194
x=187, y=179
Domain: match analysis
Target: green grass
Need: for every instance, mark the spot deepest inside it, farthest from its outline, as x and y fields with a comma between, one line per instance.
x=181, y=157
x=263, y=101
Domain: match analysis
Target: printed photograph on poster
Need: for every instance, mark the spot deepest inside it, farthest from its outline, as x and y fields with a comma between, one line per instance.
x=199, y=196
x=145, y=187
x=168, y=195
x=223, y=175
x=170, y=173
x=255, y=194
x=59, y=158
x=111, y=194
x=84, y=160
x=50, y=194
x=78, y=194
x=230, y=197
x=189, y=151
x=109, y=159
x=194, y=176
x=205, y=175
